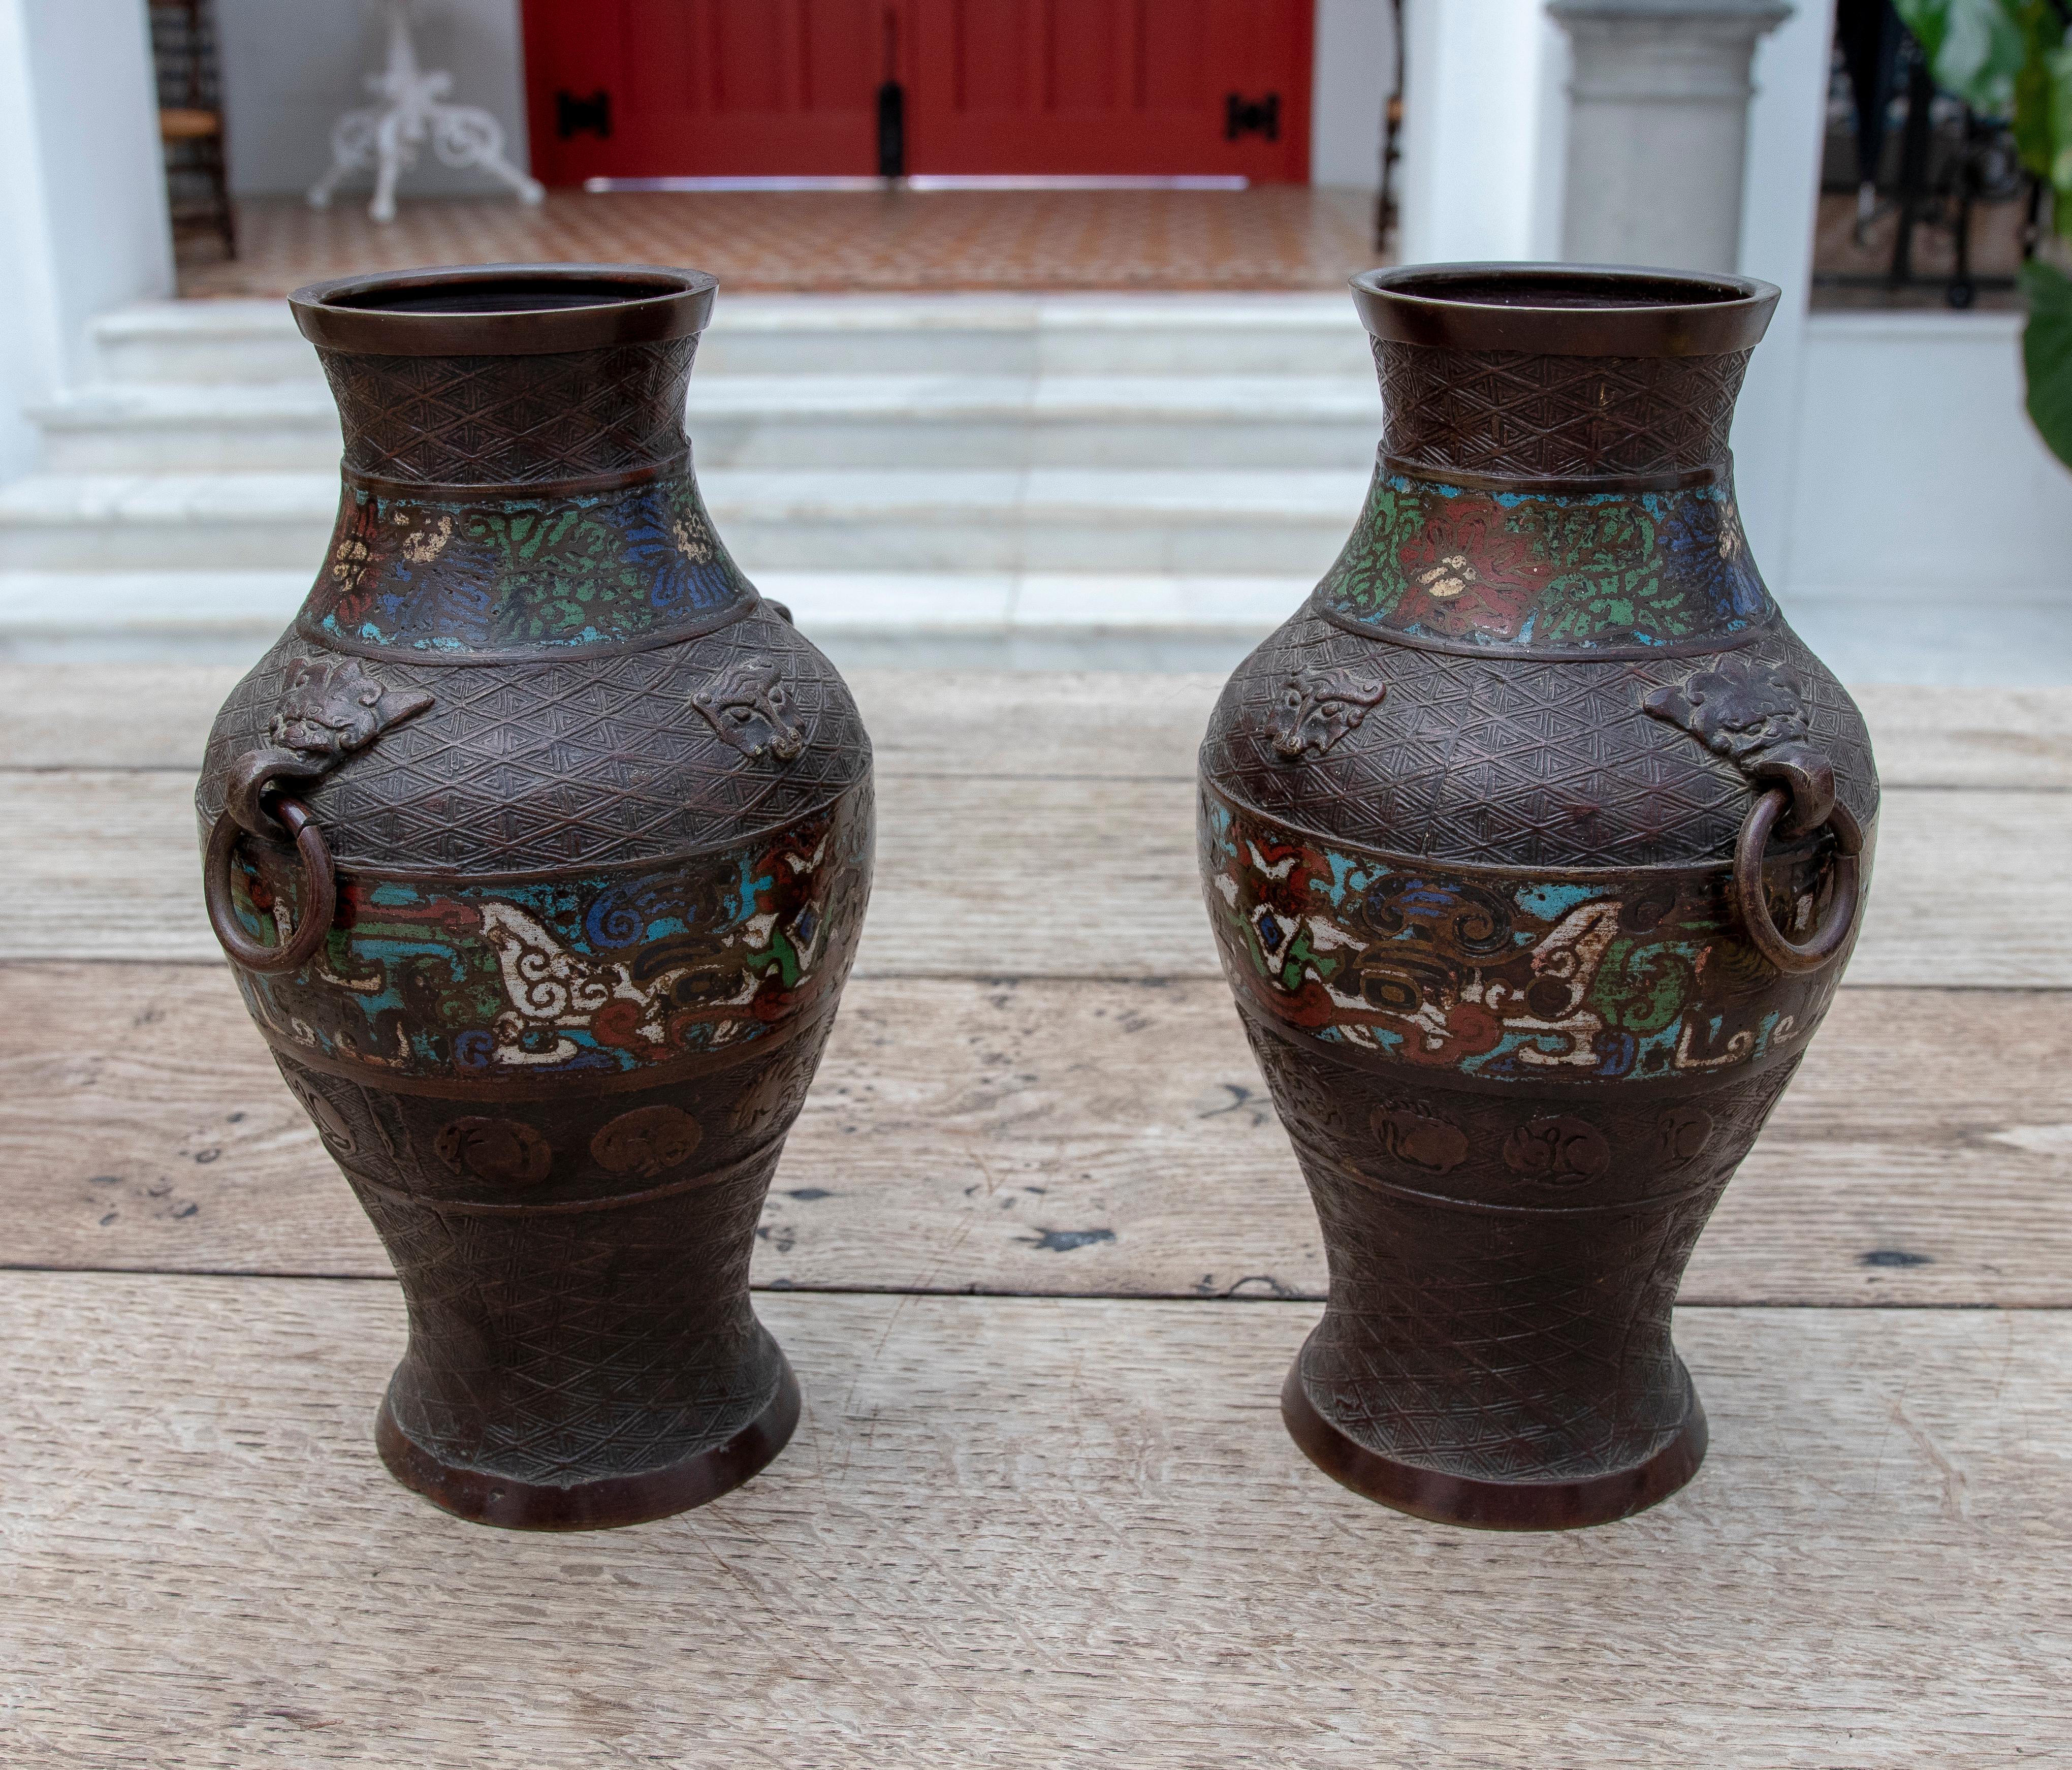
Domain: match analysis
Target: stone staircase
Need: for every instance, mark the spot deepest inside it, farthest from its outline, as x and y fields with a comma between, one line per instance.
x=947, y=465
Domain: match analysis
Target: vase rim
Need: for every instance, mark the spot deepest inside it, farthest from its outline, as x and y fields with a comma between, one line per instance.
x=1565, y=310
x=503, y=310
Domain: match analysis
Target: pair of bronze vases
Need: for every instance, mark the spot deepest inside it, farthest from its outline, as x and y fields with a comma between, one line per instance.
x=1534, y=846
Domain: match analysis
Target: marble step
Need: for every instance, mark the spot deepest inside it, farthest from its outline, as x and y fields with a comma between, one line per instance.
x=787, y=422
x=234, y=342
x=1206, y=522
x=165, y=522
x=1166, y=334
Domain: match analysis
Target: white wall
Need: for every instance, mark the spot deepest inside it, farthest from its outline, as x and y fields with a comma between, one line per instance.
x=1918, y=469
x=291, y=65
x=83, y=224
x=1355, y=65
x=1486, y=111
x=1780, y=193
x=1484, y=115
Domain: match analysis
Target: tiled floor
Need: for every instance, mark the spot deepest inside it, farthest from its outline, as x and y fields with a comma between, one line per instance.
x=1849, y=273
x=1273, y=237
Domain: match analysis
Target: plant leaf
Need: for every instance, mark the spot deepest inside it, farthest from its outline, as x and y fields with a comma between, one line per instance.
x=1927, y=19
x=2059, y=64
x=2046, y=354
x=1975, y=48
x=2043, y=32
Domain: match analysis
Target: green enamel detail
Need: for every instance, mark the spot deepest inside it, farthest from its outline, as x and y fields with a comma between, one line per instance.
x=453, y=575
x=1530, y=569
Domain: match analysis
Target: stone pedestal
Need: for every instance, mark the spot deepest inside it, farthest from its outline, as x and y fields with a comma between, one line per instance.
x=1658, y=128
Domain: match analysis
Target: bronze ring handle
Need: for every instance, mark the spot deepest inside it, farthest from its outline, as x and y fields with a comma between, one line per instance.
x=1833, y=933
x=309, y=935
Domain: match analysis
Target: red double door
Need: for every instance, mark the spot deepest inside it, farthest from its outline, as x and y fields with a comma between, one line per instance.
x=632, y=89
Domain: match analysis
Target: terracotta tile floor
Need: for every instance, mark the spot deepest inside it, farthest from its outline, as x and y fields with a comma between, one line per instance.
x=1274, y=237
x=1996, y=254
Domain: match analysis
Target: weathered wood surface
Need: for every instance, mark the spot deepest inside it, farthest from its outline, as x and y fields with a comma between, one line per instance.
x=1052, y=1136
x=1011, y=1533
x=1101, y=724
x=103, y=864
x=110, y=715
x=1971, y=737
x=1014, y=1530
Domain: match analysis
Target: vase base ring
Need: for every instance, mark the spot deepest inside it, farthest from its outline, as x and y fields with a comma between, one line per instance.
x=482, y=1496
x=1490, y=1505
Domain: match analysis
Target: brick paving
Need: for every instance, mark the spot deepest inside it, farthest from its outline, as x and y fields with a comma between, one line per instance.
x=1272, y=236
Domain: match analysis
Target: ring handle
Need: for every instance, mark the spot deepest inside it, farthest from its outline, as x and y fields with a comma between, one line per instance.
x=301, y=946
x=1833, y=933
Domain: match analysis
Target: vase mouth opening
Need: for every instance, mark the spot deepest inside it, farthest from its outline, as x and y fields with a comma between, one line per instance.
x=503, y=310
x=1562, y=310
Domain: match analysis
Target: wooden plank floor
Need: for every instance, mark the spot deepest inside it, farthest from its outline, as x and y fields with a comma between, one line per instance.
x=1011, y=1531
x=1060, y=1518
x=1044, y=1136
x=102, y=861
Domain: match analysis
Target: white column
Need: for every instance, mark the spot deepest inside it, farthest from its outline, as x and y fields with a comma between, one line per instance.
x=1658, y=128
x=1484, y=115
x=1780, y=194
x=83, y=224
x=1484, y=152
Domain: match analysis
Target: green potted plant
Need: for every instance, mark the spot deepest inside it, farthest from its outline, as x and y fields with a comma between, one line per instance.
x=2013, y=58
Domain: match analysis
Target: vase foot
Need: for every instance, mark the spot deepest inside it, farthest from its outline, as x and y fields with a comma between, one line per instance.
x=1490, y=1505
x=482, y=1497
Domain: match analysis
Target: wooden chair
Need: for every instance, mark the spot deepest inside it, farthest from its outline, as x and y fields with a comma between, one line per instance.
x=191, y=121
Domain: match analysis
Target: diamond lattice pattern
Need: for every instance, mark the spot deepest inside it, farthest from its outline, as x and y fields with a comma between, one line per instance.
x=1511, y=1344
x=587, y=760
x=511, y=420
x=581, y=1344
x=1511, y=761
x=1520, y=414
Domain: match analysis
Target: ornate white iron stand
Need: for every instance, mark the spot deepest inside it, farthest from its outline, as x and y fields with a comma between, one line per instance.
x=387, y=136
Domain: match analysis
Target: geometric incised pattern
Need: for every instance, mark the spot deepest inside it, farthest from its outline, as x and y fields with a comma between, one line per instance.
x=512, y=421
x=1505, y=1320
x=1519, y=1357
x=1528, y=415
x=560, y=1347
x=554, y=1343
x=555, y=1144
x=1511, y=761
x=585, y=760
x=1518, y=1057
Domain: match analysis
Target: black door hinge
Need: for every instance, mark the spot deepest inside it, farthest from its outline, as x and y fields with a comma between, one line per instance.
x=1252, y=117
x=574, y=115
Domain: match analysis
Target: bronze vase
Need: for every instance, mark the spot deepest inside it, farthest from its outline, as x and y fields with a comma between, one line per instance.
x=1535, y=845
x=539, y=844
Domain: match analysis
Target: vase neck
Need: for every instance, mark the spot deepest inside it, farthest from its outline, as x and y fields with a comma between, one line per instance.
x=569, y=422
x=1520, y=419
x=1555, y=478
